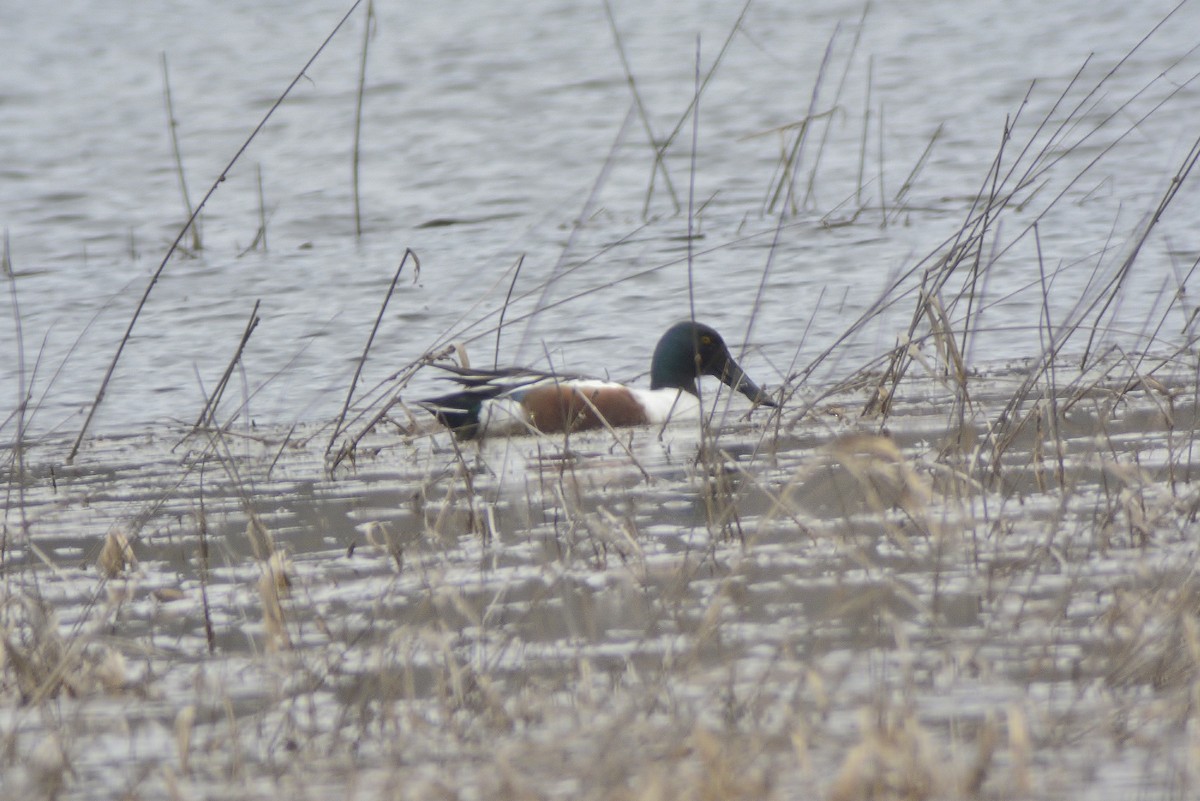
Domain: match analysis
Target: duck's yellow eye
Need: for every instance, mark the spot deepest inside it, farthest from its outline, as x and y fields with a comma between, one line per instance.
x=706, y=340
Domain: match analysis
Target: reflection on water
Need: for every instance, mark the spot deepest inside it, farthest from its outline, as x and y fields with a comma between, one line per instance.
x=818, y=610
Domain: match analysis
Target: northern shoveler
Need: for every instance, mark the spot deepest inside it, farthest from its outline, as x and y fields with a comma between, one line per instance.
x=518, y=401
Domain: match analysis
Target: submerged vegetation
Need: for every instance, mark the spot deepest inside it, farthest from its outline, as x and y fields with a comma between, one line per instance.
x=920, y=580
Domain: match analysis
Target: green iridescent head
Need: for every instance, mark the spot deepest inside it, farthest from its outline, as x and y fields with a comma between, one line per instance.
x=689, y=350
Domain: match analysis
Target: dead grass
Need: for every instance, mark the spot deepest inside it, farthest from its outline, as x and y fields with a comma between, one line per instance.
x=925, y=582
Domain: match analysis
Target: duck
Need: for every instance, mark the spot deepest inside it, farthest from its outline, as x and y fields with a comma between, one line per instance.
x=513, y=400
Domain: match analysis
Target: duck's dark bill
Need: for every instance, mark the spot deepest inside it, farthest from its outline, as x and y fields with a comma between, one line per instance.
x=736, y=378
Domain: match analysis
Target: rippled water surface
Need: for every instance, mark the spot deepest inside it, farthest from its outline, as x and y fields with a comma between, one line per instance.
x=959, y=562
x=497, y=132
x=802, y=609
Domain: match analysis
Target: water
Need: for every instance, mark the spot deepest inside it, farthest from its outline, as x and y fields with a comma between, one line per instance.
x=814, y=613
x=501, y=120
x=996, y=599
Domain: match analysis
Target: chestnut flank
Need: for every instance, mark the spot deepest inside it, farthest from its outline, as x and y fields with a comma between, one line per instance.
x=564, y=408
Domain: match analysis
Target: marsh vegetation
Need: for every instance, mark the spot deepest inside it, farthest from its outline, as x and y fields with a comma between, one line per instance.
x=926, y=575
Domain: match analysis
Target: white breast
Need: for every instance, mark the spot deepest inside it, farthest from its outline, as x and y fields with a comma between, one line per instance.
x=667, y=404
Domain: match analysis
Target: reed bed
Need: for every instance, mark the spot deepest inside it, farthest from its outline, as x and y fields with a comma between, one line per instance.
x=923, y=580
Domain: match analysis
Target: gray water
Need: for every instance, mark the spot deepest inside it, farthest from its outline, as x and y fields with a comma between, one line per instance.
x=805, y=612
x=987, y=591
x=485, y=136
